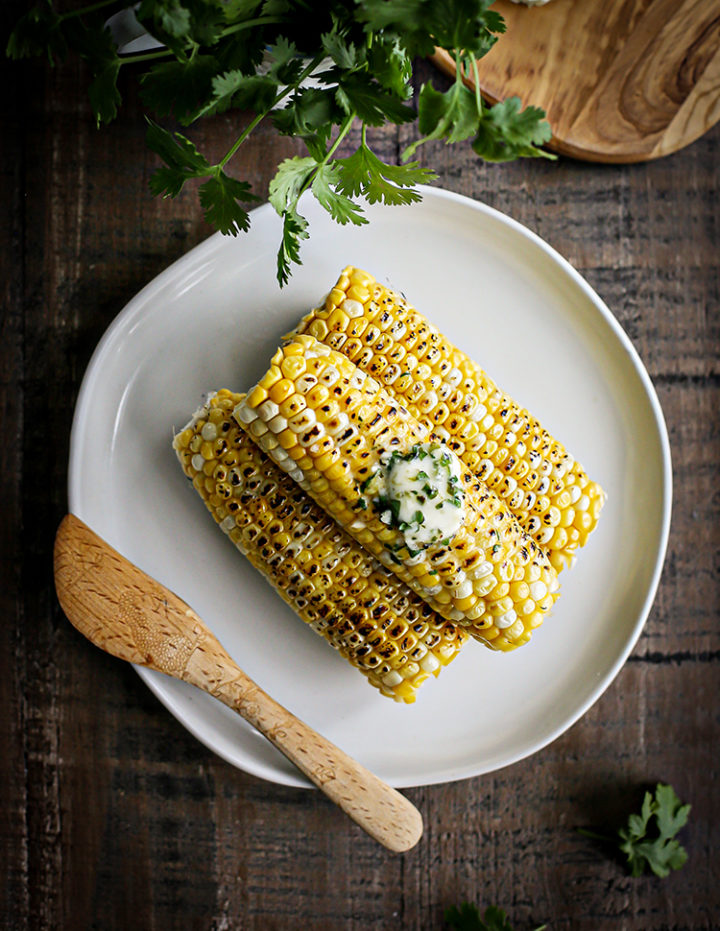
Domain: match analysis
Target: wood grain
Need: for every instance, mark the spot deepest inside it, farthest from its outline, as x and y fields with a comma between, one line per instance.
x=125, y=612
x=113, y=815
x=621, y=81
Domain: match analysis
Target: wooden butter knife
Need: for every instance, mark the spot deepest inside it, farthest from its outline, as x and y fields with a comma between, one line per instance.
x=125, y=612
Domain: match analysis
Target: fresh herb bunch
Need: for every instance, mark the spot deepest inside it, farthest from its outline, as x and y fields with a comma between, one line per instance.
x=257, y=55
x=468, y=918
x=648, y=839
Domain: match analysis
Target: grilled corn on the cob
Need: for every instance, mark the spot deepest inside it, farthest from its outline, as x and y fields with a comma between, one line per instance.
x=502, y=443
x=337, y=432
x=361, y=609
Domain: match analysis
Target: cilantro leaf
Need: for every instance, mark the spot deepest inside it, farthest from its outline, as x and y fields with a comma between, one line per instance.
x=343, y=53
x=311, y=69
x=371, y=102
x=363, y=173
x=310, y=110
x=104, y=96
x=506, y=132
x=179, y=88
x=466, y=26
x=167, y=20
x=340, y=207
x=452, y=116
x=406, y=18
x=294, y=229
x=391, y=66
x=235, y=89
x=37, y=33
x=220, y=196
x=182, y=161
x=285, y=61
x=289, y=180
x=176, y=150
x=468, y=918
x=649, y=838
x=240, y=9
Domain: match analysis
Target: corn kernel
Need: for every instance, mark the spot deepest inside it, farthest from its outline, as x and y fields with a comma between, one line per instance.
x=256, y=396
x=292, y=366
x=270, y=377
x=335, y=471
x=361, y=278
x=357, y=292
x=281, y=390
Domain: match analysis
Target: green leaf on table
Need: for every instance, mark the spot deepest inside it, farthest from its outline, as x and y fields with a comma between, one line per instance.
x=340, y=207
x=291, y=176
x=468, y=918
x=649, y=838
x=507, y=132
x=221, y=198
x=363, y=173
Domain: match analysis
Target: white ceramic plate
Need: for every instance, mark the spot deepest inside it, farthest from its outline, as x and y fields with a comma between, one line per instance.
x=213, y=319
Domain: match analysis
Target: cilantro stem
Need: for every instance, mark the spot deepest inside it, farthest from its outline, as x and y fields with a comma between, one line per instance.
x=259, y=117
x=249, y=23
x=478, y=96
x=86, y=9
x=144, y=56
x=341, y=135
x=344, y=127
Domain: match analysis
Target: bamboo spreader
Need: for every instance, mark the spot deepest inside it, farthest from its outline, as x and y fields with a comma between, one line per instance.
x=125, y=612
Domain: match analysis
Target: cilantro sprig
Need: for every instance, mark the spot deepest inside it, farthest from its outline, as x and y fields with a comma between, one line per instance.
x=648, y=839
x=468, y=918
x=313, y=69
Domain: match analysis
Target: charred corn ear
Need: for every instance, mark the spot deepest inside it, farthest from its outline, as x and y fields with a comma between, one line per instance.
x=363, y=611
x=502, y=443
x=331, y=428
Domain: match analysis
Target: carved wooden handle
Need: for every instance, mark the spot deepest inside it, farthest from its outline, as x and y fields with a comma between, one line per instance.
x=124, y=611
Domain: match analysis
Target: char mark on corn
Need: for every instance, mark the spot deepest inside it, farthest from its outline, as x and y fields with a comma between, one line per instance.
x=491, y=577
x=503, y=444
x=371, y=618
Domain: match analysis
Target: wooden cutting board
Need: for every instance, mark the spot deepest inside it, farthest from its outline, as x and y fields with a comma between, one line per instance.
x=620, y=80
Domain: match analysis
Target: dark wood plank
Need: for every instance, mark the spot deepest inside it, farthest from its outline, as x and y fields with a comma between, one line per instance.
x=113, y=815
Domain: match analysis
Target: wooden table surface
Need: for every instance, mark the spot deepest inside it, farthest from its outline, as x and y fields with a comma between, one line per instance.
x=112, y=815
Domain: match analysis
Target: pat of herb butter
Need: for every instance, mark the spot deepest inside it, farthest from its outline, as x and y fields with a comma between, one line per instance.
x=419, y=493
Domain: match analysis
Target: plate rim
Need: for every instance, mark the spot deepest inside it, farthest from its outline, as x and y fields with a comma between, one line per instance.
x=205, y=250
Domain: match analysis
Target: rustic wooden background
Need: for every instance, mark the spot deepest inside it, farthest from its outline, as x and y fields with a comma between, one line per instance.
x=112, y=815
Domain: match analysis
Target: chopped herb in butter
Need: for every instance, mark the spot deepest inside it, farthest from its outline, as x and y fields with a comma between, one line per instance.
x=419, y=493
